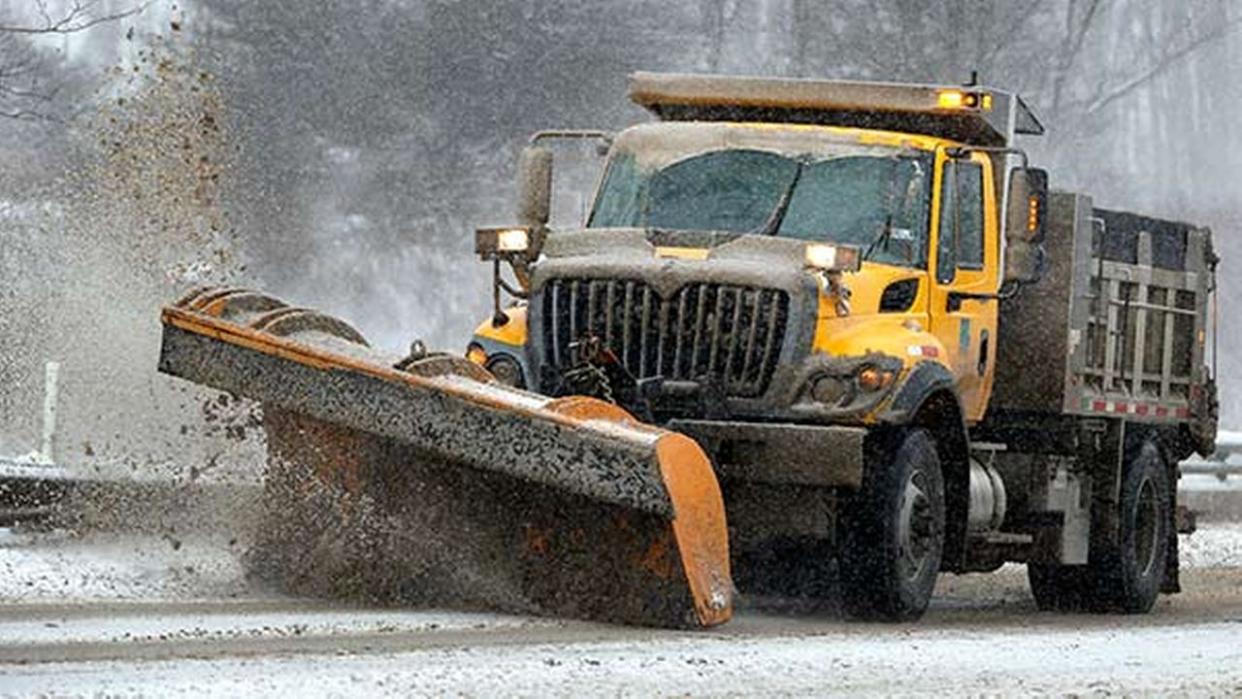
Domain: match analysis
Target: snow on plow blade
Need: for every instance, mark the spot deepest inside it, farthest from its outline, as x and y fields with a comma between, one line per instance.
x=421, y=478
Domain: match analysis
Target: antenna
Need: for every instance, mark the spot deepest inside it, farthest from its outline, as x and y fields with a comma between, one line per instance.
x=974, y=79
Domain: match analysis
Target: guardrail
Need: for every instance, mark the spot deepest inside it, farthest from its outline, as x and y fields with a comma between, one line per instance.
x=1222, y=470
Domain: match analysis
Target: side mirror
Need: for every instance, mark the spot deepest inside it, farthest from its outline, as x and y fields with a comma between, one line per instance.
x=1024, y=225
x=534, y=187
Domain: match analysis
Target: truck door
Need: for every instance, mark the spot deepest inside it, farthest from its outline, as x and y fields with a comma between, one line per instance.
x=965, y=282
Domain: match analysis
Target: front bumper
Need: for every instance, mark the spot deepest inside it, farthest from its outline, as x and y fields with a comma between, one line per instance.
x=780, y=453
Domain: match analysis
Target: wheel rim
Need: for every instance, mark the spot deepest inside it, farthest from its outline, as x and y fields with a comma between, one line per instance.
x=1146, y=528
x=916, y=529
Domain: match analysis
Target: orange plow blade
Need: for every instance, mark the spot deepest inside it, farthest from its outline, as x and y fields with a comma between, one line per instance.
x=421, y=479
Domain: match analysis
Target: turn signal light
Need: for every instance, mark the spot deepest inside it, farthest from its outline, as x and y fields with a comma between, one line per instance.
x=873, y=379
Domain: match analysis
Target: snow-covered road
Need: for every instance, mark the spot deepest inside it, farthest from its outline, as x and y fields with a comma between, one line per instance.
x=121, y=614
x=246, y=648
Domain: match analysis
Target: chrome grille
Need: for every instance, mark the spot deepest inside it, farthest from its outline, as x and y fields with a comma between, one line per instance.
x=729, y=335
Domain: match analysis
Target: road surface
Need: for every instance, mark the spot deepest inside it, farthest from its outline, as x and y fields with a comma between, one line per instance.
x=153, y=615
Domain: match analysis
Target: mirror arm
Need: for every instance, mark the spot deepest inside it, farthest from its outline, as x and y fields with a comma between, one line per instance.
x=604, y=137
x=499, y=317
x=961, y=151
x=513, y=291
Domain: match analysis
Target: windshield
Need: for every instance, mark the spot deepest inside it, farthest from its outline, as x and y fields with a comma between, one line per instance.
x=877, y=202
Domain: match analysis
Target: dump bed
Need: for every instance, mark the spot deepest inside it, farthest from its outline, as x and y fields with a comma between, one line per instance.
x=1118, y=323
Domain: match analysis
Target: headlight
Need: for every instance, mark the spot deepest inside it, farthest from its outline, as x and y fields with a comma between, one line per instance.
x=828, y=390
x=501, y=242
x=831, y=257
x=506, y=370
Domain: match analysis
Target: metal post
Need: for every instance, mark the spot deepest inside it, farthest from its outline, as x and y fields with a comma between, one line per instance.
x=47, y=448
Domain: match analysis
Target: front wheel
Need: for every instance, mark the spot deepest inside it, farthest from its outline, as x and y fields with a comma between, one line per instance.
x=893, y=530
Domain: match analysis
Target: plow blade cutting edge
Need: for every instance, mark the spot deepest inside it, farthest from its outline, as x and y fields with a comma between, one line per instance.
x=423, y=479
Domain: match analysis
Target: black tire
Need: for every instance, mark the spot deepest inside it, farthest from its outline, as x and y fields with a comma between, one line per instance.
x=1128, y=574
x=893, y=531
x=1125, y=575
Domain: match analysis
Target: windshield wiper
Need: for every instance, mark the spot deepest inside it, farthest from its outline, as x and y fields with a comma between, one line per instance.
x=773, y=223
x=885, y=235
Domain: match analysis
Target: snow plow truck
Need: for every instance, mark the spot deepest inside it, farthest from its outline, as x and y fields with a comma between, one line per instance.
x=826, y=326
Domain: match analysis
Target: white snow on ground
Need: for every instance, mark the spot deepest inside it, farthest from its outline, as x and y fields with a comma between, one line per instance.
x=56, y=566
x=1213, y=545
x=1200, y=659
x=60, y=591
x=123, y=625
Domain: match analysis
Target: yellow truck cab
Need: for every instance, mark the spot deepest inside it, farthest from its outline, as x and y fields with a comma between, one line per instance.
x=823, y=282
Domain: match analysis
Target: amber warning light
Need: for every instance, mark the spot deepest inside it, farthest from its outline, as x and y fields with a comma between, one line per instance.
x=959, y=99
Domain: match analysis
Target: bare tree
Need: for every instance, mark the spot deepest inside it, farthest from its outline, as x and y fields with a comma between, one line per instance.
x=1166, y=56
x=27, y=76
x=21, y=66
x=80, y=15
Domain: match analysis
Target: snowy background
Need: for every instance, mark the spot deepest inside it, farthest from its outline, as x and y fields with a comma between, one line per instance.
x=340, y=153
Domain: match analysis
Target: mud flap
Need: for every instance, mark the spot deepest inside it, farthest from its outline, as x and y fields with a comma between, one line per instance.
x=432, y=483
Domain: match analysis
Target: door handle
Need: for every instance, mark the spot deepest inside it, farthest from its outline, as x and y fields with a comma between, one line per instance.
x=956, y=298
x=983, y=351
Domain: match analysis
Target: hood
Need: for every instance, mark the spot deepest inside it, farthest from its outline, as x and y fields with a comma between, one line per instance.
x=738, y=259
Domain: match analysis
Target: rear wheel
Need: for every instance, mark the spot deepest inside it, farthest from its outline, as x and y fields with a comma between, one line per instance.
x=1129, y=572
x=1123, y=575
x=893, y=530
